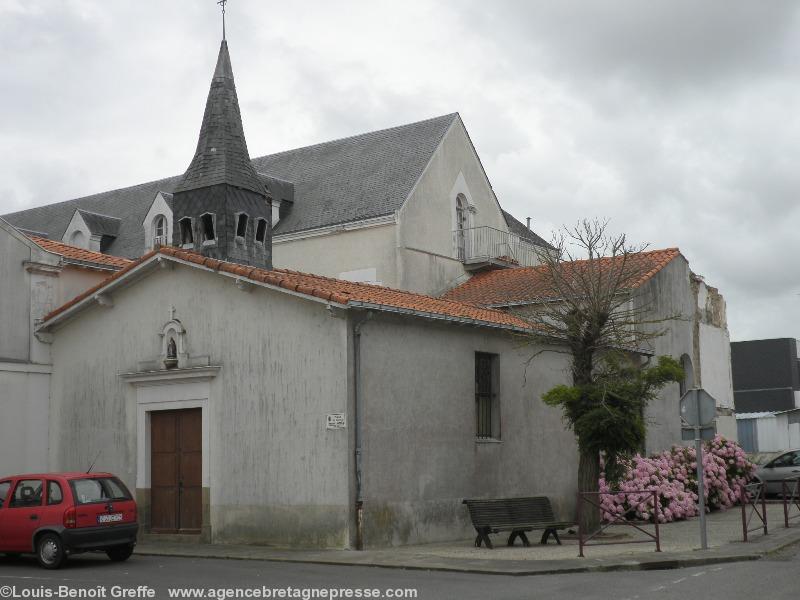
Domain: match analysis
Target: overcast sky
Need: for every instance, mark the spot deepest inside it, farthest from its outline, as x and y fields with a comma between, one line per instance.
x=679, y=120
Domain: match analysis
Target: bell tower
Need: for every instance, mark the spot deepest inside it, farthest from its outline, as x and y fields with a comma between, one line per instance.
x=220, y=207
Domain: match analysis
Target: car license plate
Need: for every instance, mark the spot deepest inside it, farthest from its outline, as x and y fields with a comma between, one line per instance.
x=112, y=518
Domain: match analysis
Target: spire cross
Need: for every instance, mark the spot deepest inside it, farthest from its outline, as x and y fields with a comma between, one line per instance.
x=222, y=4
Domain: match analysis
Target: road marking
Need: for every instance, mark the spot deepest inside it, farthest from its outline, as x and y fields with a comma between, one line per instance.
x=698, y=574
x=679, y=580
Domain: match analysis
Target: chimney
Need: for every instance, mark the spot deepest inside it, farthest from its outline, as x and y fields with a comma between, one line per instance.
x=529, y=223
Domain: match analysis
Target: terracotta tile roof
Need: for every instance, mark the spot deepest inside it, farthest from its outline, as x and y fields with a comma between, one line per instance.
x=347, y=293
x=530, y=284
x=79, y=254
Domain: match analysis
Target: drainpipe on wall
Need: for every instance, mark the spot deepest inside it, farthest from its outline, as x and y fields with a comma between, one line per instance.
x=358, y=429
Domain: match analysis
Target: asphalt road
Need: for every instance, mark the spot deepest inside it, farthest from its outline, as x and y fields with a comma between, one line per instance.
x=145, y=576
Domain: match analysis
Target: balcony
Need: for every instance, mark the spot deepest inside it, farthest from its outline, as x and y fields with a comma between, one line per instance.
x=480, y=247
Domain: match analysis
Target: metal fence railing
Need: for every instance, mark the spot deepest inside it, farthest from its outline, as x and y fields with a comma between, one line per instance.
x=476, y=244
x=592, y=499
x=753, y=495
x=789, y=497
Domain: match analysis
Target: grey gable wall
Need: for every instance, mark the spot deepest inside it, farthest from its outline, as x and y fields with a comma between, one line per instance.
x=421, y=456
x=335, y=182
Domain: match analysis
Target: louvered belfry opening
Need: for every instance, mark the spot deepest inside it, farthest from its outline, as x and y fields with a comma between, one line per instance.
x=221, y=186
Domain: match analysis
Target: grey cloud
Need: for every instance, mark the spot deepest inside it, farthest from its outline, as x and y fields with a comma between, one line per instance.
x=675, y=118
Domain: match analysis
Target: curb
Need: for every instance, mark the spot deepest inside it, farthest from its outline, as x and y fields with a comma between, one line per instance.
x=507, y=568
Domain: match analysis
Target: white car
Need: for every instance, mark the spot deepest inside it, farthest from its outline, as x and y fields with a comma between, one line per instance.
x=773, y=472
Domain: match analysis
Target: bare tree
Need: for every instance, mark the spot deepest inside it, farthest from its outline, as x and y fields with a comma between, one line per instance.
x=590, y=298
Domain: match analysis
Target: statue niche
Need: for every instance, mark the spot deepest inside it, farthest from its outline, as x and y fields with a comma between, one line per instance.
x=173, y=343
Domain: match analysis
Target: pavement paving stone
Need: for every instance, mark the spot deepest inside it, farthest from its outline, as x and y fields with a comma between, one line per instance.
x=680, y=542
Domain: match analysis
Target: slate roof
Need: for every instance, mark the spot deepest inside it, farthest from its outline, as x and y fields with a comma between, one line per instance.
x=523, y=285
x=81, y=256
x=335, y=182
x=348, y=293
x=221, y=155
x=519, y=228
x=100, y=224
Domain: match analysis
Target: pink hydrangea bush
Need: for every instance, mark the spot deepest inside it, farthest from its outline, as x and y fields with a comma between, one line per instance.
x=673, y=474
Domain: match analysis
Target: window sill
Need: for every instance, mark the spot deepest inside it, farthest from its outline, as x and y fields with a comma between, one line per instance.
x=210, y=243
x=187, y=246
x=488, y=441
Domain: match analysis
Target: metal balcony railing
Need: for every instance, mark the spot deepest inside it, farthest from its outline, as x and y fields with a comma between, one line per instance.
x=486, y=244
x=160, y=240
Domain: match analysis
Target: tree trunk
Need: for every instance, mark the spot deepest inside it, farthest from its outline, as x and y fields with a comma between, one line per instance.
x=588, y=481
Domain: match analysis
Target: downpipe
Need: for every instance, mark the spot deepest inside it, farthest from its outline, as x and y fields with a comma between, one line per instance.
x=359, y=500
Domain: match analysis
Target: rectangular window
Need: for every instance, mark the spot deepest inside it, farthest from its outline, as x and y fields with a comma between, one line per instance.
x=27, y=494
x=103, y=489
x=241, y=225
x=261, y=231
x=54, y=493
x=4, y=487
x=487, y=403
x=207, y=227
x=187, y=239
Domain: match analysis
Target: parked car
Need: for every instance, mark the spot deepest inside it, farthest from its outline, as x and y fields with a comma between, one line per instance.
x=774, y=471
x=54, y=515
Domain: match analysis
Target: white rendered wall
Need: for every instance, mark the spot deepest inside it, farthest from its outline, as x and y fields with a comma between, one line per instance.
x=276, y=475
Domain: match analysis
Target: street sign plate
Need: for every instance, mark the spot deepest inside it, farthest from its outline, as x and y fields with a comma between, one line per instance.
x=698, y=408
x=706, y=433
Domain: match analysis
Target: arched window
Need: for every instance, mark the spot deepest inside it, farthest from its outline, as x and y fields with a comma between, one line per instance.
x=78, y=238
x=462, y=212
x=159, y=231
x=462, y=225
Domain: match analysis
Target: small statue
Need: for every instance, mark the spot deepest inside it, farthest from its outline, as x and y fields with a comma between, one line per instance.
x=171, y=361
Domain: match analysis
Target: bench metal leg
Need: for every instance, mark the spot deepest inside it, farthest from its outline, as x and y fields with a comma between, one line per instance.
x=483, y=536
x=521, y=535
x=546, y=535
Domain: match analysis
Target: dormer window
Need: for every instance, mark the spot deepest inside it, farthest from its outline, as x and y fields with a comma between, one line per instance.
x=208, y=229
x=78, y=238
x=241, y=225
x=261, y=231
x=187, y=238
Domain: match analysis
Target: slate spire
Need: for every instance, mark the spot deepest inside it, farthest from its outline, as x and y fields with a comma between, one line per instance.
x=221, y=155
x=220, y=207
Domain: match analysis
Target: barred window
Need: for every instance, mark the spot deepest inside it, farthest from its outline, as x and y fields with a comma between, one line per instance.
x=487, y=405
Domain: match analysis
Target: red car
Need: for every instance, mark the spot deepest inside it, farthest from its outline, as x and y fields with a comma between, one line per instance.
x=54, y=515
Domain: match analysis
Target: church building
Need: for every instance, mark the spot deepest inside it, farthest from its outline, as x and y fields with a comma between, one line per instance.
x=321, y=347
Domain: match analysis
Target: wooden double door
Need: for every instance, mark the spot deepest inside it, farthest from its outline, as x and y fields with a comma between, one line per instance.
x=176, y=477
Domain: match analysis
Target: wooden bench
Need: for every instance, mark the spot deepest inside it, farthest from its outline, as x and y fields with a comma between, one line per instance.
x=517, y=515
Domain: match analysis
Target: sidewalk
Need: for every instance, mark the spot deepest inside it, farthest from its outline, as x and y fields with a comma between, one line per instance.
x=679, y=543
